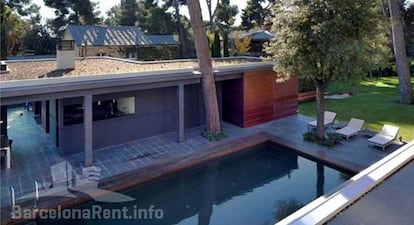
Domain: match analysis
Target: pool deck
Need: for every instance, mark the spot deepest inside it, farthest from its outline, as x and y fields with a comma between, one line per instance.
x=33, y=152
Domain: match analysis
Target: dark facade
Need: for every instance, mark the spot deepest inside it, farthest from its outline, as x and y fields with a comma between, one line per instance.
x=156, y=112
x=85, y=114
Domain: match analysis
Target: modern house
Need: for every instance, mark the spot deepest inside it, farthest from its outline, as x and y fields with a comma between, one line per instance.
x=93, y=102
x=121, y=42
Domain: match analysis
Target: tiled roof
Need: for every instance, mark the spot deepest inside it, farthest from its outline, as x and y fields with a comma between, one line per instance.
x=118, y=36
x=261, y=36
x=161, y=39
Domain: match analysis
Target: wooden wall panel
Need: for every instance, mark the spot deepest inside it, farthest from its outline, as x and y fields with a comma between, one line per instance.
x=285, y=98
x=266, y=100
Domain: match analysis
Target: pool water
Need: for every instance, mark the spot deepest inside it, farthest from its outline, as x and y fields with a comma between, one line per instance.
x=258, y=186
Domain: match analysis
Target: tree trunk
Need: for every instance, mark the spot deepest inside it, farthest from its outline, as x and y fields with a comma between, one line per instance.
x=179, y=28
x=400, y=52
x=320, y=109
x=3, y=34
x=216, y=47
x=226, y=44
x=210, y=14
x=206, y=68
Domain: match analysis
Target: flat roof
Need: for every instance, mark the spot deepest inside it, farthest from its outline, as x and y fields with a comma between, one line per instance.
x=35, y=69
x=29, y=80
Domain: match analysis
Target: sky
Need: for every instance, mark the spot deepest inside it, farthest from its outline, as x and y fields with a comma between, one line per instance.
x=105, y=5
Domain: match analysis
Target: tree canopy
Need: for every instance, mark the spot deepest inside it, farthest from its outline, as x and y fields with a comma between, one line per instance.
x=154, y=19
x=128, y=13
x=225, y=18
x=409, y=25
x=255, y=14
x=400, y=53
x=80, y=12
x=325, y=40
x=13, y=26
x=408, y=15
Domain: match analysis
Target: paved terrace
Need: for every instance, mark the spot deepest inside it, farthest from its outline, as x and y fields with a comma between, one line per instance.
x=33, y=153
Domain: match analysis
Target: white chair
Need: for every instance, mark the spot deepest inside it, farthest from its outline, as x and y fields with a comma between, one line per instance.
x=329, y=118
x=352, y=128
x=384, y=138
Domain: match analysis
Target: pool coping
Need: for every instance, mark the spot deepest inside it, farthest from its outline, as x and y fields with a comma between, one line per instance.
x=326, y=207
x=179, y=163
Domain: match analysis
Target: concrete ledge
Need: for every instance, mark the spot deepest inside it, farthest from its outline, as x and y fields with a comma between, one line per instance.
x=326, y=207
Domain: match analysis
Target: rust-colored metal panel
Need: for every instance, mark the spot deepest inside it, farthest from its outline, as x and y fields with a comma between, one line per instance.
x=265, y=100
x=258, y=89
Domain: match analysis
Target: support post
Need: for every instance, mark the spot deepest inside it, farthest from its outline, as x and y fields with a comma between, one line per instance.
x=43, y=115
x=219, y=86
x=3, y=119
x=87, y=121
x=180, y=112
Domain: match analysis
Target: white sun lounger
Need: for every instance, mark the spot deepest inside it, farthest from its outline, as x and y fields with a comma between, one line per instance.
x=384, y=138
x=354, y=126
x=329, y=118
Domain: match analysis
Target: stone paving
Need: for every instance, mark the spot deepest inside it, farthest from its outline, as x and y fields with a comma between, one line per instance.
x=33, y=152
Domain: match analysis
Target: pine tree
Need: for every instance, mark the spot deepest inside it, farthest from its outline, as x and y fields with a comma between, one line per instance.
x=225, y=17
x=154, y=19
x=10, y=12
x=80, y=12
x=253, y=15
x=398, y=39
x=206, y=68
x=129, y=13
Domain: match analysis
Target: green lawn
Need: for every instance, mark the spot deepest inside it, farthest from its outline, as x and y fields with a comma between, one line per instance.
x=374, y=101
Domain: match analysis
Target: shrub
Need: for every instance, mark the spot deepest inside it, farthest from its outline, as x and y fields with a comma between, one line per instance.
x=330, y=139
x=336, y=138
x=214, y=137
x=310, y=136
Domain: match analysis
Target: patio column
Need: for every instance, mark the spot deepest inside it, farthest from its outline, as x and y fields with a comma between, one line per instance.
x=3, y=118
x=43, y=115
x=219, y=87
x=87, y=121
x=60, y=120
x=180, y=112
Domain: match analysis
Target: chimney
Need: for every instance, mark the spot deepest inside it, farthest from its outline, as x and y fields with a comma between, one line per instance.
x=176, y=37
x=3, y=67
x=65, y=53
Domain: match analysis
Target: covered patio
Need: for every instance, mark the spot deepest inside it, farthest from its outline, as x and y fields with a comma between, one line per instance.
x=34, y=152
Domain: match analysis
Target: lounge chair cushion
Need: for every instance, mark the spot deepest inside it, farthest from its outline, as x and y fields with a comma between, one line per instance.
x=353, y=127
x=381, y=139
x=347, y=131
x=387, y=135
x=329, y=117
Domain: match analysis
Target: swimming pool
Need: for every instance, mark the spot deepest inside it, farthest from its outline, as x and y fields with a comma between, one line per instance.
x=260, y=186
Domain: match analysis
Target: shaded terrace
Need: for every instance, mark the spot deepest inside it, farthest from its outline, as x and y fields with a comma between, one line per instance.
x=32, y=157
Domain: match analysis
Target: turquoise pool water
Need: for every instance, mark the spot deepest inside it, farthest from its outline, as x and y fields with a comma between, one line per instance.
x=259, y=186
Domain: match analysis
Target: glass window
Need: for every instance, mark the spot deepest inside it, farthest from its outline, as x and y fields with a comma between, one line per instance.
x=102, y=110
